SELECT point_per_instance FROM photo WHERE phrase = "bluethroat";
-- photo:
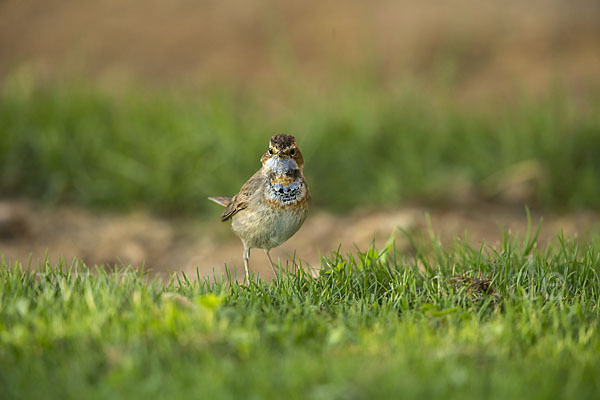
(273, 203)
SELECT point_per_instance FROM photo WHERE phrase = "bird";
(273, 204)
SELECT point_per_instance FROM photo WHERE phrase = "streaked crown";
(283, 142)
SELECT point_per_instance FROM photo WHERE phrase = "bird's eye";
(271, 151)
(292, 152)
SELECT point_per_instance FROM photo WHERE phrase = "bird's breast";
(286, 192)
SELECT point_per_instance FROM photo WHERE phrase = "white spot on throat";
(280, 166)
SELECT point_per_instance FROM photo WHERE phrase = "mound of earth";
(30, 233)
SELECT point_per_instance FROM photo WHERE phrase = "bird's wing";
(240, 200)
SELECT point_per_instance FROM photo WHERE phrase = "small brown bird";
(273, 203)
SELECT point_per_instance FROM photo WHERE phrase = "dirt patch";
(30, 231)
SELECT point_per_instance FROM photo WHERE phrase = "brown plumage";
(273, 204)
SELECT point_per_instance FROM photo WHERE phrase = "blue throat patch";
(285, 194)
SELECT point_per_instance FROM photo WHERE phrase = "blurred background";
(118, 118)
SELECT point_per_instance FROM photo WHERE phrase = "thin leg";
(272, 265)
(246, 258)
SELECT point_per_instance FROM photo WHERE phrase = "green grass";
(364, 145)
(514, 322)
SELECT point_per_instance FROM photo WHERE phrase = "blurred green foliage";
(463, 323)
(168, 150)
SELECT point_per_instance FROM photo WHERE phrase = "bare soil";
(32, 232)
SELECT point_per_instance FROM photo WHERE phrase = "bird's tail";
(221, 200)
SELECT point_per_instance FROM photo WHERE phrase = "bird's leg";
(246, 258)
(272, 265)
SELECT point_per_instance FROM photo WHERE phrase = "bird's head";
(283, 154)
